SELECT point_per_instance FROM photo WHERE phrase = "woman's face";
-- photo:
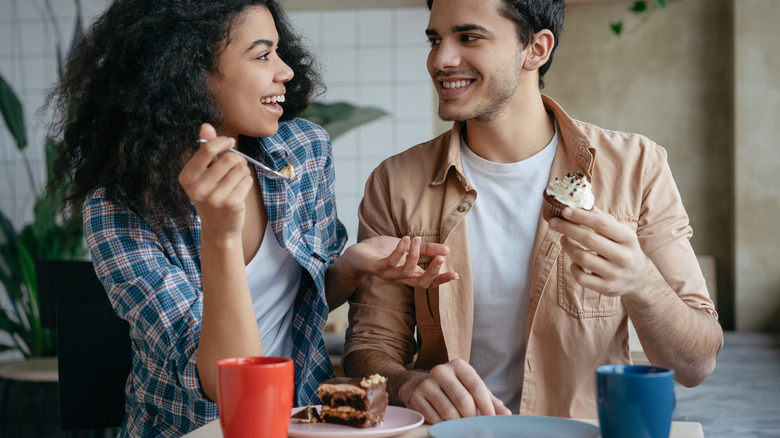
(251, 76)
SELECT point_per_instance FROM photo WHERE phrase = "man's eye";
(468, 38)
(434, 41)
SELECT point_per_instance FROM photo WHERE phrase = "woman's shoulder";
(301, 129)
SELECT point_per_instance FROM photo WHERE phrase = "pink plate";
(397, 420)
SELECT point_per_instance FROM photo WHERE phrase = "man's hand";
(606, 256)
(395, 260)
(452, 390)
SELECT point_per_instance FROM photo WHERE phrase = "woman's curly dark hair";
(135, 91)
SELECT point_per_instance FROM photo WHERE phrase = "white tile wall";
(372, 57)
(369, 57)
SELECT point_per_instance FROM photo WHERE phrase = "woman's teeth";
(273, 99)
(456, 84)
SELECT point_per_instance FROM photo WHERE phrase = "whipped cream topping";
(573, 190)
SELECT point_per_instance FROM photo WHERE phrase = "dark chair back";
(93, 343)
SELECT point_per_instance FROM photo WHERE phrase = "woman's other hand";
(396, 260)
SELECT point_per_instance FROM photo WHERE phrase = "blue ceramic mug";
(635, 401)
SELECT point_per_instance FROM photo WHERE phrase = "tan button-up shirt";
(571, 330)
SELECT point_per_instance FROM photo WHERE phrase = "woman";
(203, 255)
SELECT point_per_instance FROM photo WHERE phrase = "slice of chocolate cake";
(353, 401)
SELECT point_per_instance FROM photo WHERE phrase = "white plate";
(397, 420)
(514, 426)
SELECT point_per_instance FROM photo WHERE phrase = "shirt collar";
(573, 140)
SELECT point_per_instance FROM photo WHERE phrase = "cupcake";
(571, 191)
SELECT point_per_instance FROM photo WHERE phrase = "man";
(538, 305)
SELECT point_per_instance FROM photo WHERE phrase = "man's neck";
(518, 133)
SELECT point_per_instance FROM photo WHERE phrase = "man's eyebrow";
(460, 28)
(260, 42)
(468, 27)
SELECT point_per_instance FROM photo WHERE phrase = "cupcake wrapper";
(550, 211)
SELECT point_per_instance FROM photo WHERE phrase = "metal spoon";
(270, 173)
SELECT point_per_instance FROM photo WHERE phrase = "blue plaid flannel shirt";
(152, 276)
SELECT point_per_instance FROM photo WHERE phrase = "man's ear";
(539, 50)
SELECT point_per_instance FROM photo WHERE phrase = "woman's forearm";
(228, 327)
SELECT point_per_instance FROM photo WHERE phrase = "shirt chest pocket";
(578, 301)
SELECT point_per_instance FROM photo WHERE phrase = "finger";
(205, 156)
(427, 277)
(476, 398)
(479, 393)
(201, 185)
(602, 223)
(232, 189)
(410, 266)
(444, 278)
(420, 404)
(398, 254)
(590, 280)
(207, 132)
(499, 406)
(433, 392)
(434, 249)
(587, 259)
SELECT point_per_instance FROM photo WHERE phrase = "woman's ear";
(539, 50)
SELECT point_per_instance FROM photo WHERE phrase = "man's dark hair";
(531, 16)
(135, 91)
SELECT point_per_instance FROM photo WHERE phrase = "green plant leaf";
(638, 7)
(617, 27)
(660, 3)
(7, 228)
(13, 114)
(339, 117)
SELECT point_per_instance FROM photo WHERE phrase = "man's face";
(475, 59)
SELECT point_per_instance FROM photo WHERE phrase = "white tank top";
(501, 229)
(274, 277)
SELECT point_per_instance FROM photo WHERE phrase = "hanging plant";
(643, 10)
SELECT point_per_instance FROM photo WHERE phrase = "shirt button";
(463, 207)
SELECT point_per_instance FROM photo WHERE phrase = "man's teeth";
(274, 99)
(456, 84)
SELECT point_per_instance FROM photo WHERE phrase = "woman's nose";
(284, 73)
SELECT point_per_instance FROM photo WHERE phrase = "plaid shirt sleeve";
(154, 284)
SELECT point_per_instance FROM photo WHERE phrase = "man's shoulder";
(422, 159)
(621, 146)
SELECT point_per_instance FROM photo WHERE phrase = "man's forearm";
(362, 363)
(672, 333)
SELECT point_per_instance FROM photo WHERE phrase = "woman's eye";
(264, 56)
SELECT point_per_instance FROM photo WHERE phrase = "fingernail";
(553, 223)
(417, 241)
(439, 261)
(405, 240)
(567, 213)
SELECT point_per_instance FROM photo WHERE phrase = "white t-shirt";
(502, 227)
(274, 277)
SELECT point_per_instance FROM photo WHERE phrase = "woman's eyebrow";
(260, 42)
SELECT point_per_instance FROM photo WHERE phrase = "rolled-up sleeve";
(159, 301)
(381, 314)
(664, 233)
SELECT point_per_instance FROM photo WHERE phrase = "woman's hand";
(393, 259)
(217, 183)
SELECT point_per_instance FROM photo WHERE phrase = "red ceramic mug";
(255, 396)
